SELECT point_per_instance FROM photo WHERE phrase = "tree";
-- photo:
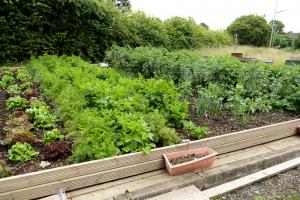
(278, 26)
(297, 42)
(202, 24)
(123, 5)
(251, 30)
(282, 40)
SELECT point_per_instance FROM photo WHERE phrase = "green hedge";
(73, 27)
(87, 28)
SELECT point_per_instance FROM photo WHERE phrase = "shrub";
(251, 30)
(52, 27)
(16, 103)
(40, 114)
(22, 152)
(51, 136)
(221, 82)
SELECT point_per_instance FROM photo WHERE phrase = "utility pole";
(273, 24)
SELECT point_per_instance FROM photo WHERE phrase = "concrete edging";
(216, 176)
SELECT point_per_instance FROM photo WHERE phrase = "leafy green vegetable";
(40, 114)
(13, 89)
(16, 103)
(23, 75)
(22, 152)
(51, 136)
(8, 79)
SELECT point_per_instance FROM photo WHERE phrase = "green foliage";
(87, 28)
(186, 34)
(297, 42)
(81, 27)
(7, 79)
(16, 103)
(40, 114)
(220, 82)
(2, 85)
(4, 170)
(278, 26)
(13, 89)
(251, 30)
(106, 114)
(51, 136)
(23, 75)
(26, 85)
(209, 101)
(22, 152)
(197, 132)
(282, 40)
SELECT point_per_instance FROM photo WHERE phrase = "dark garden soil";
(29, 166)
(186, 158)
(228, 123)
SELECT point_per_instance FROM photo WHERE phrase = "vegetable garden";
(64, 110)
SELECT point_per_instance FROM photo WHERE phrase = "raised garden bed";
(75, 176)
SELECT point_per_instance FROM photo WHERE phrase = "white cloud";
(218, 14)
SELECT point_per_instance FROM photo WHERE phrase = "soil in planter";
(186, 158)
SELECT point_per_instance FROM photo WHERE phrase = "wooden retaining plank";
(66, 172)
(80, 182)
(103, 192)
(101, 177)
(77, 170)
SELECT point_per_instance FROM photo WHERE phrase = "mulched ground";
(228, 123)
(30, 166)
(284, 186)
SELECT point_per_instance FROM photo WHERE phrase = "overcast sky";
(218, 14)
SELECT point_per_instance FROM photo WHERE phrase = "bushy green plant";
(26, 85)
(106, 114)
(197, 132)
(40, 114)
(16, 103)
(21, 152)
(13, 89)
(23, 75)
(221, 82)
(2, 85)
(8, 79)
(52, 135)
(209, 101)
(4, 169)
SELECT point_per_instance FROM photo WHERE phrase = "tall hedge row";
(87, 28)
(80, 27)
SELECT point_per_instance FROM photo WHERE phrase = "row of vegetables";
(30, 131)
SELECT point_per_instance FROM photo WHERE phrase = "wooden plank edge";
(102, 177)
(66, 172)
